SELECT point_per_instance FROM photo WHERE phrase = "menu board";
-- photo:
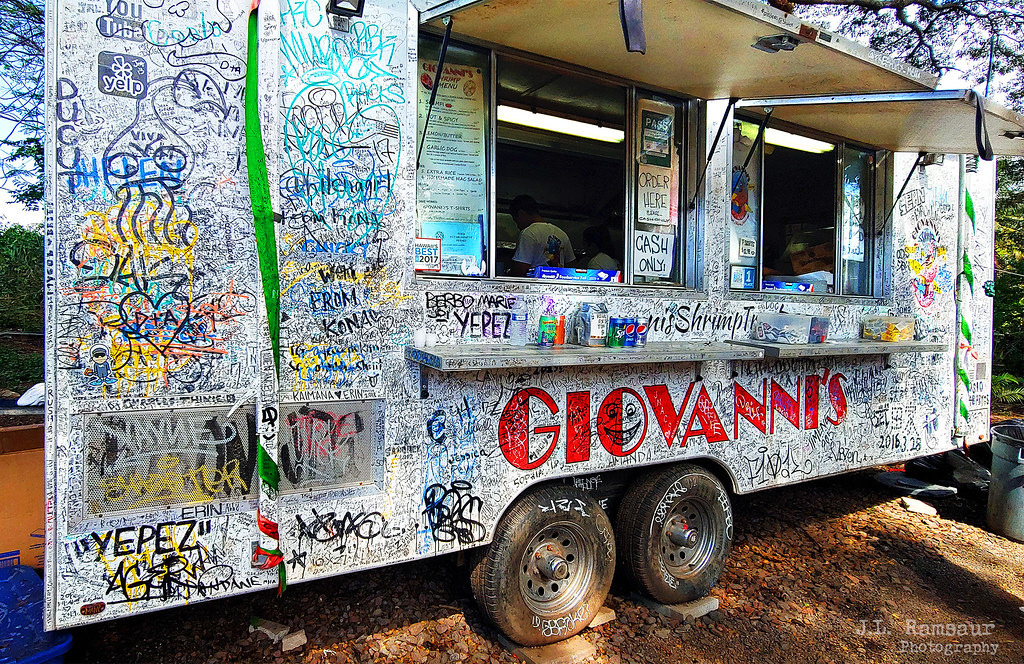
(451, 201)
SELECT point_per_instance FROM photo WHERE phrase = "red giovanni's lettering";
(623, 417)
(514, 428)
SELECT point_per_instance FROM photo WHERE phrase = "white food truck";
(298, 255)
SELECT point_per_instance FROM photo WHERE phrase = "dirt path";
(830, 571)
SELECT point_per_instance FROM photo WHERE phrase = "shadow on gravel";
(334, 612)
(814, 566)
(859, 492)
(960, 589)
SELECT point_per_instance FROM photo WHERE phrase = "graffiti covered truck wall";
(228, 407)
(169, 436)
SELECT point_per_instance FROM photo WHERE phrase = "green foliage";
(956, 36)
(21, 99)
(19, 369)
(1009, 212)
(1007, 389)
(24, 170)
(1008, 323)
(21, 280)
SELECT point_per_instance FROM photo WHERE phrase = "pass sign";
(427, 254)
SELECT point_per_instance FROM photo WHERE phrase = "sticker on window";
(748, 247)
(427, 254)
(741, 277)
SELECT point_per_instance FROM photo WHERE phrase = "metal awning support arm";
(757, 142)
(895, 201)
(447, 20)
(711, 153)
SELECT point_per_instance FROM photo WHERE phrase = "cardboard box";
(813, 259)
(19, 439)
(789, 328)
(21, 508)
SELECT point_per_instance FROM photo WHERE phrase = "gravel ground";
(829, 571)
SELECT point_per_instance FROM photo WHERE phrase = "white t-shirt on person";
(603, 261)
(542, 243)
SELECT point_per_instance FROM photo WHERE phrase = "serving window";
(549, 173)
(803, 212)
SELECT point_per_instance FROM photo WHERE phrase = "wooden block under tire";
(570, 651)
(695, 609)
(604, 615)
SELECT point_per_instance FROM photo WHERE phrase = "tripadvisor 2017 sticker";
(427, 254)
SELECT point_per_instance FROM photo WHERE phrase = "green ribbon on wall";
(259, 191)
(268, 469)
(266, 247)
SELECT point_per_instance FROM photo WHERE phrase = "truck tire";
(548, 570)
(674, 532)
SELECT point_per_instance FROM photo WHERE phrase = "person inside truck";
(597, 241)
(540, 243)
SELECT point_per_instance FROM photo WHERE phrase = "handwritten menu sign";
(653, 254)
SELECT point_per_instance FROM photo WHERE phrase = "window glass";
(800, 211)
(560, 167)
(656, 246)
(798, 221)
(451, 181)
(745, 206)
(857, 211)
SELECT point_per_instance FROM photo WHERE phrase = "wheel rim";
(688, 539)
(556, 569)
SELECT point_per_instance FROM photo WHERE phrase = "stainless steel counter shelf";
(473, 357)
(842, 347)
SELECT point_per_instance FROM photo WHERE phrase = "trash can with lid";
(1006, 493)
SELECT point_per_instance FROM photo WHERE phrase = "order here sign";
(653, 254)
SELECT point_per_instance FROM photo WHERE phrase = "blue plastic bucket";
(22, 637)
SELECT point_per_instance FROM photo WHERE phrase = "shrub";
(21, 280)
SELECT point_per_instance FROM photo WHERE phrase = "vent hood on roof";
(942, 121)
(696, 47)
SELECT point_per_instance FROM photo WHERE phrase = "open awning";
(941, 121)
(702, 48)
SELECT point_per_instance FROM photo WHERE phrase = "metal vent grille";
(328, 444)
(138, 460)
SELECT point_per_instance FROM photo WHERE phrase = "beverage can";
(629, 339)
(560, 331)
(546, 331)
(617, 333)
(641, 331)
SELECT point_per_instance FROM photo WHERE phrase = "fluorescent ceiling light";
(519, 116)
(784, 139)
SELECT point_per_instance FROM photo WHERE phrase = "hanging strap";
(631, 14)
(980, 130)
